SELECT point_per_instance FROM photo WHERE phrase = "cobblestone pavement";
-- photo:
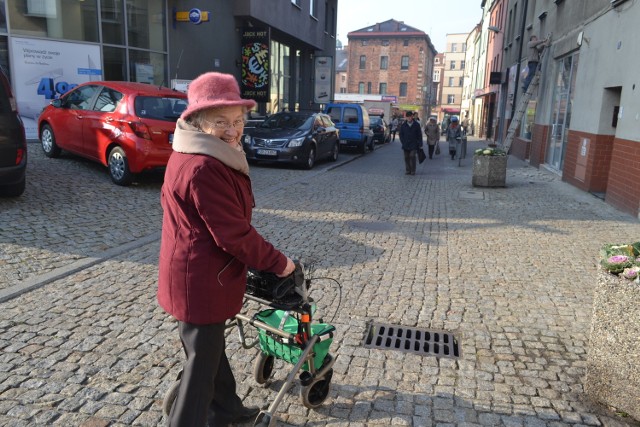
(510, 271)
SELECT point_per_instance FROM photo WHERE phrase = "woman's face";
(226, 123)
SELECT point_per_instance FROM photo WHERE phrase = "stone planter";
(613, 359)
(489, 171)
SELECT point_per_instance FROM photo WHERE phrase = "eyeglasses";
(224, 125)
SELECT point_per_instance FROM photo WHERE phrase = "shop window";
(146, 24)
(62, 19)
(147, 67)
(111, 12)
(115, 63)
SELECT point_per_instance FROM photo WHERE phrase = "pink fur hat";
(214, 90)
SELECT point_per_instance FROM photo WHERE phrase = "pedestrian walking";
(395, 123)
(453, 135)
(432, 131)
(207, 244)
(411, 139)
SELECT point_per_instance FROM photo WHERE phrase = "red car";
(123, 125)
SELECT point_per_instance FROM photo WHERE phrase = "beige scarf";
(190, 140)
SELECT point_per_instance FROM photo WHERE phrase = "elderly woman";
(207, 245)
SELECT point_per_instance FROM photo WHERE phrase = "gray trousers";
(410, 160)
(207, 384)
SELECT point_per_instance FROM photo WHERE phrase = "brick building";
(395, 60)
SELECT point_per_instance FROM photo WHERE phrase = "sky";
(437, 18)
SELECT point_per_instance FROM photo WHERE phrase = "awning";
(451, 110)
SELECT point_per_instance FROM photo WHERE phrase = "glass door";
(561, 117)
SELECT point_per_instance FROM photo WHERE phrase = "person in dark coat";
(411, 139)
(207, 245)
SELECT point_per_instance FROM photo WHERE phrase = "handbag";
(421, 155)
(437, 148)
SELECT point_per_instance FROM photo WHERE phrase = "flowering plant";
(622, 260)
(490, 151)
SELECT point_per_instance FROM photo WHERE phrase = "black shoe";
(247, 413)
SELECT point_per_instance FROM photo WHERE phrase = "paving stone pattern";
(510, 271)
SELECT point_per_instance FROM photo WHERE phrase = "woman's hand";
(288, 269)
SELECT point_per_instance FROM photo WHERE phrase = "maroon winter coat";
(207, 237)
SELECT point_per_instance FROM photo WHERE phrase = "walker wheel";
(263, 368)
(170, 397)
(316, 393)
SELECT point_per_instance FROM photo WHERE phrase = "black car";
(13, 143)
(381, 131)
(293, 137)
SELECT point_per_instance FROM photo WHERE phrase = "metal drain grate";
(413, 340)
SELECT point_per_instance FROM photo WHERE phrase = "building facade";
(453, 73)
(394, 60)
(583, 121)
(48, 46)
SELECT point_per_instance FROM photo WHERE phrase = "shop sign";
(256, 67)
(323, 72)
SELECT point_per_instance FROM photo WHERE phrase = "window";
(405, 42)
(451, 99)
(384, 62)
(403, 89)
(464, 45)
(461, 81)
(462, 64)
(363, 62)
(454, 47)
(450, 81)
(361, 88)
(452, 65)
(80, 99)
(107, 100)
(437, 61)
(313, 8)
(383, 89)
(436, 76)
(343, 78)
(112, 22)
(404, 63)
(369, 88)
(385, 42)
(146, 22)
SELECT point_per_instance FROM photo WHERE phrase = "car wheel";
(48, 141)
(119, 167)
(311, 158)
(334, 152)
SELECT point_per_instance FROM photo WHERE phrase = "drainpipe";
(515, 90)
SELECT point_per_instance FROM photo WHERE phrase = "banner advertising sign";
(323, 72)
(43, 70)
(255, 64)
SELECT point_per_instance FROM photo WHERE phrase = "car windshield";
(288, 121)
(153, 107)
(376, 120)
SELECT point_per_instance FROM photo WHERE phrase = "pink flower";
(618, 259)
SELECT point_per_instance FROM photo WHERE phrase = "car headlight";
(296, 142)
(246, 139)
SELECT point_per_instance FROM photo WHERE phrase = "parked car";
(352, 120)
(13, 143)
(293, 137)
(381, 131)
(126, 126)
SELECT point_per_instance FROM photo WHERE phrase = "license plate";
(267, 152)
(170, 138)
(343, 141)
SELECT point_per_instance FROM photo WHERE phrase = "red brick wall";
(623, 185)
(393, 75)
(538, 151)
(598, 161)
(520, 148)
